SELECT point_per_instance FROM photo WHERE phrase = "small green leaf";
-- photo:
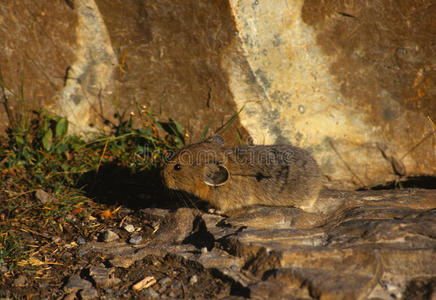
(19, 139)
(61, 128)
(47, 140)
(205, 131)
(179, 128)
(145, 131)
(61, 148)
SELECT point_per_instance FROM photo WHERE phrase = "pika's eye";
(177, 167)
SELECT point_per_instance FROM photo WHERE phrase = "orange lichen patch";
(420, 92)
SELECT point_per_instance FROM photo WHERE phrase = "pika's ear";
(215, 138)
(215, 174)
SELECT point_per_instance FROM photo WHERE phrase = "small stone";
(43, 196)
(164, 281)
(176, 285)
(90, 293)
(122, 262)
(20, 281)
(81, 241)
(102, 276)
(129, 228)
(135, 240)
(76, 283)
(109, 236)
(193, 280)
(151, 293)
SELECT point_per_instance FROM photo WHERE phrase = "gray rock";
(89, 293)
(81, 241)
(184, 218)
(150, 293)
(103, 276)
(362, 245)
(43, 196)
(108, 236)
(75, 283)
(164, 281)
(129, 228)
(135, 240)
(309, 95)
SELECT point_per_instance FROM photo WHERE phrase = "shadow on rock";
(421, 182)
(116, 185)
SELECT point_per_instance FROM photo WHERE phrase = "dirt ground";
(59, 258)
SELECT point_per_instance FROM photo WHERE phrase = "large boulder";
(38, 41)
(352, 83)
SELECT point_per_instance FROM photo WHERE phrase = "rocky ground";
(363, 245)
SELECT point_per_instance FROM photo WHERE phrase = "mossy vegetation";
(37, 154)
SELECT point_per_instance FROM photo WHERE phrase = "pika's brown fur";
(231, 178)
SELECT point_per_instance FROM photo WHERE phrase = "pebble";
(164, 281)
(43, 196)
(82, 252)
(129, 228)
(90, 293)
(176, 285)
(193, 280)
(151, 293)
(109, 236)
(80, 241)
(76, 283)
(102, 276)
(135, 240)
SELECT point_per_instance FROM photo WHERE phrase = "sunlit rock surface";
(351, 82)
(364, 245)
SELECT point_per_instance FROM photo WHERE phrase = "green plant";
(11, 249)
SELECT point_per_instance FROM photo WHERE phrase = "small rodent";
(231, 178)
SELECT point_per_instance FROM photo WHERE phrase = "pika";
(232, 178)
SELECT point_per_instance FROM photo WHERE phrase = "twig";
(102, 155)
(345, 163)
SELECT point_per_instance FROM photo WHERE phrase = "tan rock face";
(171, 55)
(354, 83)
(36, 48)
(347, 82)
(88, 95)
